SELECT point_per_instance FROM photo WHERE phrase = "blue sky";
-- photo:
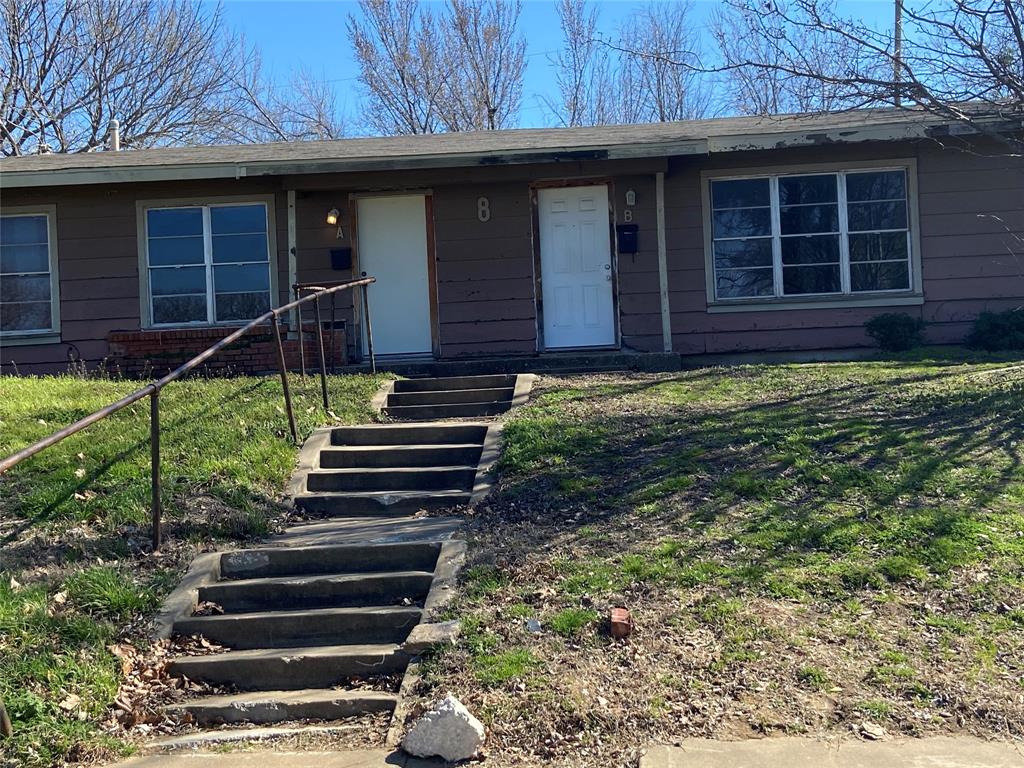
(297, 33)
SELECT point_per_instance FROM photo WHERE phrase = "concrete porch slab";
(368, 530)
(373, 758)
(792, 752)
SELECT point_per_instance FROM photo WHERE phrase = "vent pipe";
(115, 135)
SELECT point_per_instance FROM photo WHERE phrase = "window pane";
(174, 222)
(25, 288)
(18, 230)
(805, 219)
(242, 306)
(179, 309)
(810, 250)
(232, 219)
(878, 246)
(743, 222)
(164, 282)
(865, 216)
(233, 248)
(743, 253)
(795, 190)
(24, 258)
(879, 276)
(876, 185)
(817, 279)
(737, 283)
(241, 278)
(740, 193)
(34, 316)
(175, 250)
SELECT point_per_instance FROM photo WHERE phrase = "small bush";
(895, 331)
(996, 331)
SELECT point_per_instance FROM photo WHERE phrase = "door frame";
(431, 237)
(538, 288)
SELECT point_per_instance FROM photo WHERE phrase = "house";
(713, 236)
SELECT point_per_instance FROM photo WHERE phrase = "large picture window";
(810, 234)
(28, 300)
(208, 264)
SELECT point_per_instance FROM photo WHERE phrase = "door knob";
(607, 266)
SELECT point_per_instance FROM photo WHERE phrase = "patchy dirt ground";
(819, 549)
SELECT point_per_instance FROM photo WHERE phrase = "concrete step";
(456, 382)
(282, 706)
(442, 397)
(291, 668)
(456, 454)
(334, 590)
(392, 479)
(379, 503)
(294, 629)
(307, 561)
(450, 411)
(402, 434)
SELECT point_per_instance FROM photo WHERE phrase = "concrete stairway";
(314, 633)
(454, 397)
(391, 469)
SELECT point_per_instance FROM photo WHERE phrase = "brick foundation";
(156, 353)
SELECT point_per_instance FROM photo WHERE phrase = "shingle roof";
(469, 148)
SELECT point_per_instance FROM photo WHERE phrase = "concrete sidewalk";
(371, 758)
(789, 752)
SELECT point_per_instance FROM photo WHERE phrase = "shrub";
(895, 331)
(995, 331)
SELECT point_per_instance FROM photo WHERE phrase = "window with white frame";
(27, 284)
(812, 234)
(207, 264)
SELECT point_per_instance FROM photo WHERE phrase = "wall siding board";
(485, 269)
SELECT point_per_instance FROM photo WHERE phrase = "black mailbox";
(341, 259)
(626, 235)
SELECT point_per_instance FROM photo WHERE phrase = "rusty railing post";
(284, 379)
(369, 329)
(6, 731)
(334, 354)
(320, 345)
(302, 341)
(154, 447)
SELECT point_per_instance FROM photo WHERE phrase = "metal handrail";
(152, 390)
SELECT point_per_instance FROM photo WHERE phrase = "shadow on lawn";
(897, 473)
(174, 431)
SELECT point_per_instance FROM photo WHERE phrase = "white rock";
(448, 731)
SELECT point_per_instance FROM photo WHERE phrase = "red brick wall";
(156, 353)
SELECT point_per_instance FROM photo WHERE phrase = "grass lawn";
(75, 572)
(804, 548)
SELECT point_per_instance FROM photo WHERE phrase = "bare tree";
(303, 109)
(165, 69)
(962, 60)
(634, 78)
(486, 62)
(400, 57)
(462, 70)
(743, 36)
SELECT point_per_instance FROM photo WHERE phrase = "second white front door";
(393, 248)
(576, 267)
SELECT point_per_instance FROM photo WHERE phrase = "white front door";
(576, 267)
(392, 243)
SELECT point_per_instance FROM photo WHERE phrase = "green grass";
(855, 528)
(74, 532)
(494, 669)
(570, 622)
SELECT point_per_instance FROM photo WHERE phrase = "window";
(208, 264)
(813, 234)
(28, 285)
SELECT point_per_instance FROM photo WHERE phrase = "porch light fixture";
(332, 216)
(630, 197)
